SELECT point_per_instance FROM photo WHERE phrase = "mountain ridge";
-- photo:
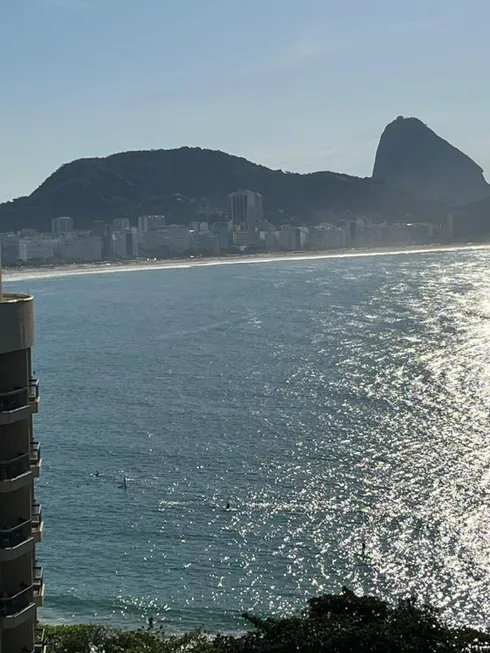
(190, 182)
(412, 156)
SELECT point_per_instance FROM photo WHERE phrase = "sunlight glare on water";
(330, 401)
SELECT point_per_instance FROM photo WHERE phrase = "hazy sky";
(293, 84)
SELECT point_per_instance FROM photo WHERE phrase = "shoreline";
(104, 267)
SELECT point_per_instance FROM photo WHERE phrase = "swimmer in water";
(363, 548)
(228, 507)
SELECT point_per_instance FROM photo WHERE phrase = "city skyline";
(93, 78)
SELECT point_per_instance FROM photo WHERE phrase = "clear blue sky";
(293, 84)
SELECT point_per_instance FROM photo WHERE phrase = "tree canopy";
(344, 623)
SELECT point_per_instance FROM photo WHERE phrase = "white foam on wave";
(104, 268)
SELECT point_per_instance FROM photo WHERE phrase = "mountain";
(411, 156)
(188, 183)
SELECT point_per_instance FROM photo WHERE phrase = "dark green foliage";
(345, 623)
(82, 639)
(187, 183)
(73, 639)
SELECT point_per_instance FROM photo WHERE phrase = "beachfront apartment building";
(21, 524)
(18, 249)
(36, 249)
(79, 247)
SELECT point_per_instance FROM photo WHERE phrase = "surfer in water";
(228, 507)
(125, 483)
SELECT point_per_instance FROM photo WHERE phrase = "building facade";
(9, 253)
(246, 211)
(151, 222)
(61, 225)
(21, 524)
(36, 249)
(80, 247)
(167, 241)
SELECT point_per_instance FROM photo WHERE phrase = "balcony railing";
(14, 399)
(19, 397)
(35, 457)
(37, 521)
(10, 469)
(12, 536)
(33, 389)
(38, 583)
(12, 604)
(39, 641)
(37, 514)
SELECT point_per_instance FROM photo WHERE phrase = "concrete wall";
(16, 323)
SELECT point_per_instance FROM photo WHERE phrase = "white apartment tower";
(21, 524)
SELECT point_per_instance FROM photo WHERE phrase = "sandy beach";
(74, 269)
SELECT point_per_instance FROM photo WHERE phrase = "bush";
(344, 623)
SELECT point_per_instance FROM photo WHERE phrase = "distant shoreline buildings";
(242, 230)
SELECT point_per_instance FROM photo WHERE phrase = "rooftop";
(9, 297)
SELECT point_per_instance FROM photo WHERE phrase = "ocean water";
(329, 401)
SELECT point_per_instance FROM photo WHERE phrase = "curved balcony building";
(21, 525)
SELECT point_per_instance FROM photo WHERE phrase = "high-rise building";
(132, 242)
(107, 243)
(120, 244)
(224, 234)
(61, 225)
(21, 524)
(245, 208)
(151, 222)
(246, 211)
